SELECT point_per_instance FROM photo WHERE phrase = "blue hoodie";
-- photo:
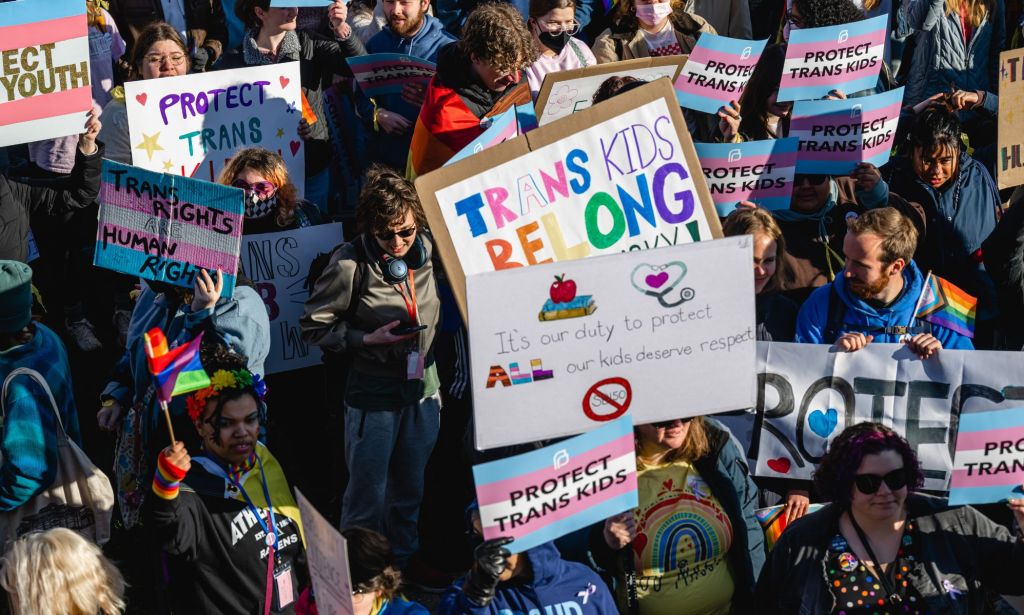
(558, 588)
(860, 316)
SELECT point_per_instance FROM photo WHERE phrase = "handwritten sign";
(717, 71)
(758, 171)
(44, 70)
(846, 57)
(387, 73)
(989, 462)
(278, 264)
(599, 336)
(1010, 136)
(616, 177)
(165, 227)
(542, 495)
(192, 125)
(328, 561)
(565, 92)
(835, 135)
(809, 395)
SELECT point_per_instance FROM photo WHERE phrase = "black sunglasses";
(869, 483)
(404, 234)
(814, 180)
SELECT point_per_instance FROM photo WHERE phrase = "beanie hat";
(15, 296)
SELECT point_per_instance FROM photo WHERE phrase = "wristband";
(167, 479)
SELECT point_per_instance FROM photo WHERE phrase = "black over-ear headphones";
(396, 270)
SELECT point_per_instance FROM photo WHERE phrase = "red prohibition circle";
(595, 391)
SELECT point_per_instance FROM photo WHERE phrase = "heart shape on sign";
(658, 279)
(295, 145)
(823, 423)
(284, 81)
(780, 465)
(141, 98)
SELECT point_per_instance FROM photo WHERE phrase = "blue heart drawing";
(823, 423)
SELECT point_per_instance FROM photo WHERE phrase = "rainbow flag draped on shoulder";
(944, 304)
(177, 370)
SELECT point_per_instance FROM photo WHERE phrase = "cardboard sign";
(387, 73)
(809, 395)
(989, 462)
(716, 72)
(619, 176)
(165, 227)
(278, 264)
(846, 57)
(599, 336)
(45, 90)
(192, 125)
(327, 551)
(836, 135)
(758, 171)
(542, 495)
(565, 92)
(1010, 137)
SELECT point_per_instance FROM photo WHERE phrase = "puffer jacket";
(942, 57)
(625, 40)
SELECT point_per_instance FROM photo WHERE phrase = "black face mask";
(554, 42)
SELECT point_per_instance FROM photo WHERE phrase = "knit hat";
(15, 296)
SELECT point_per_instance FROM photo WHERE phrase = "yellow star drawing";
(168, 165)
(280, 132)
(149, 143)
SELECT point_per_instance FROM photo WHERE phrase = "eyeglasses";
(814, 180)
(869, 483)
(572, 28)
(794, 20)
(260, 189)
(156, 60)
(403, 233)
(667, 424)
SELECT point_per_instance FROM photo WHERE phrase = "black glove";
(200, 59)
(490, 561)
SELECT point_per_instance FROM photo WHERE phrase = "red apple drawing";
(562, 290)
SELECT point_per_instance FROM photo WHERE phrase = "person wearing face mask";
(553, 25)
(649, 28)
(271, 202)
(226, 517)
(882, 547)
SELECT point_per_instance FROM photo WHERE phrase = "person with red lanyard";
(226, 517)
(376, 301)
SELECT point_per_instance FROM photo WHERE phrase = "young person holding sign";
(271, 202)
(649, 28)
(553, 26)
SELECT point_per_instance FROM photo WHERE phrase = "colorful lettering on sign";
(498, 375)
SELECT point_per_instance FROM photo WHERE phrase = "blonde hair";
(58, 572)
(694, 447)
(870, 4)
(271, 166)
(976, 10)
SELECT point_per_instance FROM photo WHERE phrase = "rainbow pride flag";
(176, 371)
(943, 303)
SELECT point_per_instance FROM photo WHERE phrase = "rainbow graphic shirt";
(683, 536)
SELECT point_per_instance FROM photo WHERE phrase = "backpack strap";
(33, 374)
(836, 314)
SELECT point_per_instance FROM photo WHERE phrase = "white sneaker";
(122, 318)
(83, 335)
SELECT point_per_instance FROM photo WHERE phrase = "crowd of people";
(378, 434)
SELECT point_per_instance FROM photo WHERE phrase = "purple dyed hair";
(834, 476)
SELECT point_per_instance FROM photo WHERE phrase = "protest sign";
(619, 176)
(809, 394)
(193, 124)
(773, 522)
(847, 57)
(164, 227)
(758, 171)
(45, 90)
(716, 72)
(387, 73)
(322, 4)
(327, 551)
(516, 121)
(539, 496)
(1010, 136)
(836, 135)
(989, 462)
(645, 327)
(565, 92)
(278, 264)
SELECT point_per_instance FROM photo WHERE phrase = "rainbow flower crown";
(219, 381)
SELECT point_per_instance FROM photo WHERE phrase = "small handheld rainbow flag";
(175, 371)
(943, 303)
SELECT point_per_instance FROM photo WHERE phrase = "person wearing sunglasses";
(271, 200)
(649, 28)
(882, 547)
(377, 302)
(692, 481)
(553, 26)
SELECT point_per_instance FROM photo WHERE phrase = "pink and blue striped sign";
(716, 72)
(846, 57)
(835, 135)
(166, 227)
(758, 171)
(539, 496)
(379, 74)
(45, 89)
(989, 462)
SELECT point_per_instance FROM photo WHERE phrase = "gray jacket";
(941, 57)
(959, 548)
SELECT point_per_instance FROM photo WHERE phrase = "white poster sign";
(328, 561)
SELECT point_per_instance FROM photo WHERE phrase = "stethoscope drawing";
(659, 283)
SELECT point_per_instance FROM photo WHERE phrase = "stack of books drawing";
(582, 305)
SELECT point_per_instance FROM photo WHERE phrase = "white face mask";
(652, 14)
